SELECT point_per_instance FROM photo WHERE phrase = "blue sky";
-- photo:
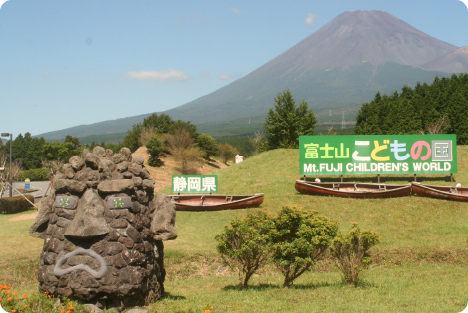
(71, 62)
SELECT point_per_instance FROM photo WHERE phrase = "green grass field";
(421, 264)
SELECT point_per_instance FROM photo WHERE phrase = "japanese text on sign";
(194, 183)
(382, 154)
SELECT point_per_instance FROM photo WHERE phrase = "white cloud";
(162, 76)
(310, 19)
(224, 76)
(235, 11)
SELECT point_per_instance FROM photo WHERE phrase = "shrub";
(208, 145)
(351, 252)
(146, 135)
(227, 152)
(244, 244)
(299, 240)
(182, 146)
(37, 174)
(154, 146)
(15, 204)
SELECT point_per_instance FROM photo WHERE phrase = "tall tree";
(286, 122)
(132, 138)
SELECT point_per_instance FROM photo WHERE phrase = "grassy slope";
(421, 265)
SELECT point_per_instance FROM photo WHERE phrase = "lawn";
(421, 264)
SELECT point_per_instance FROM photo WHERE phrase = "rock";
(68, 171)
(116, 186)
(99, 152)
(137, 181)
(92, 161)
(106, 166)
(148, 184)
(92, 308)
(164, 215)
(122, 167)
(138, 160)
(134, 168)
(66, 185)
(126, 153)
(76, 163)
(98, 246)
(117, 158)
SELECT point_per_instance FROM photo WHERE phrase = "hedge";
(15, 204)
(37, 174)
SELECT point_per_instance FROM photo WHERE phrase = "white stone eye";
(123, 202)
(65, 202)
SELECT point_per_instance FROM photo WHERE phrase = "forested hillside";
(441, 107)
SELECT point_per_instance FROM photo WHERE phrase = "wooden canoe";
(441, 192)
(353, 190)
(216, 202)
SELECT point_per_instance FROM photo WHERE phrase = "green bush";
(155, 148)
(37, 174)
(351, 252)
(15, 204)
(208, 145)
(244, 244)
(299, 240)
(227, 152)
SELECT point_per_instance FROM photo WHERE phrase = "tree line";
(439, 108)
(284, 124)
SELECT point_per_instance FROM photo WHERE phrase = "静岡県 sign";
(194, 183)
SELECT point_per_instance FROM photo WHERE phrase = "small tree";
(146, 135)
(299, 240)
(208, 145)
(154, 147)
(227, 152)
(351, 252)
(244, 244)
(257, 140)
(286, 122)
(182, 146)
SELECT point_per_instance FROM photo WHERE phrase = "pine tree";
(286, 122)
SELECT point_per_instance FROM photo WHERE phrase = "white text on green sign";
(379, 154)
(194, 183)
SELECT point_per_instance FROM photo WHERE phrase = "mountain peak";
(362, 36)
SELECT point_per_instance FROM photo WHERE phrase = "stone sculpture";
(103, 228)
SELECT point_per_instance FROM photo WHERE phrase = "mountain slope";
(454, 62)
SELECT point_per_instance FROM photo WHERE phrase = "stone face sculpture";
(103, 228)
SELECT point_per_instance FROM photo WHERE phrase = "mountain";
(355, 37)
(454, 62)
(343, 63)
(335, 69)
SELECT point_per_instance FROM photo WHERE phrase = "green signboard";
(194, 183)
(377, 154)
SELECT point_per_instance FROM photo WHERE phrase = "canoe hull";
(216, 202)
(353, 190)
(441, 192)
